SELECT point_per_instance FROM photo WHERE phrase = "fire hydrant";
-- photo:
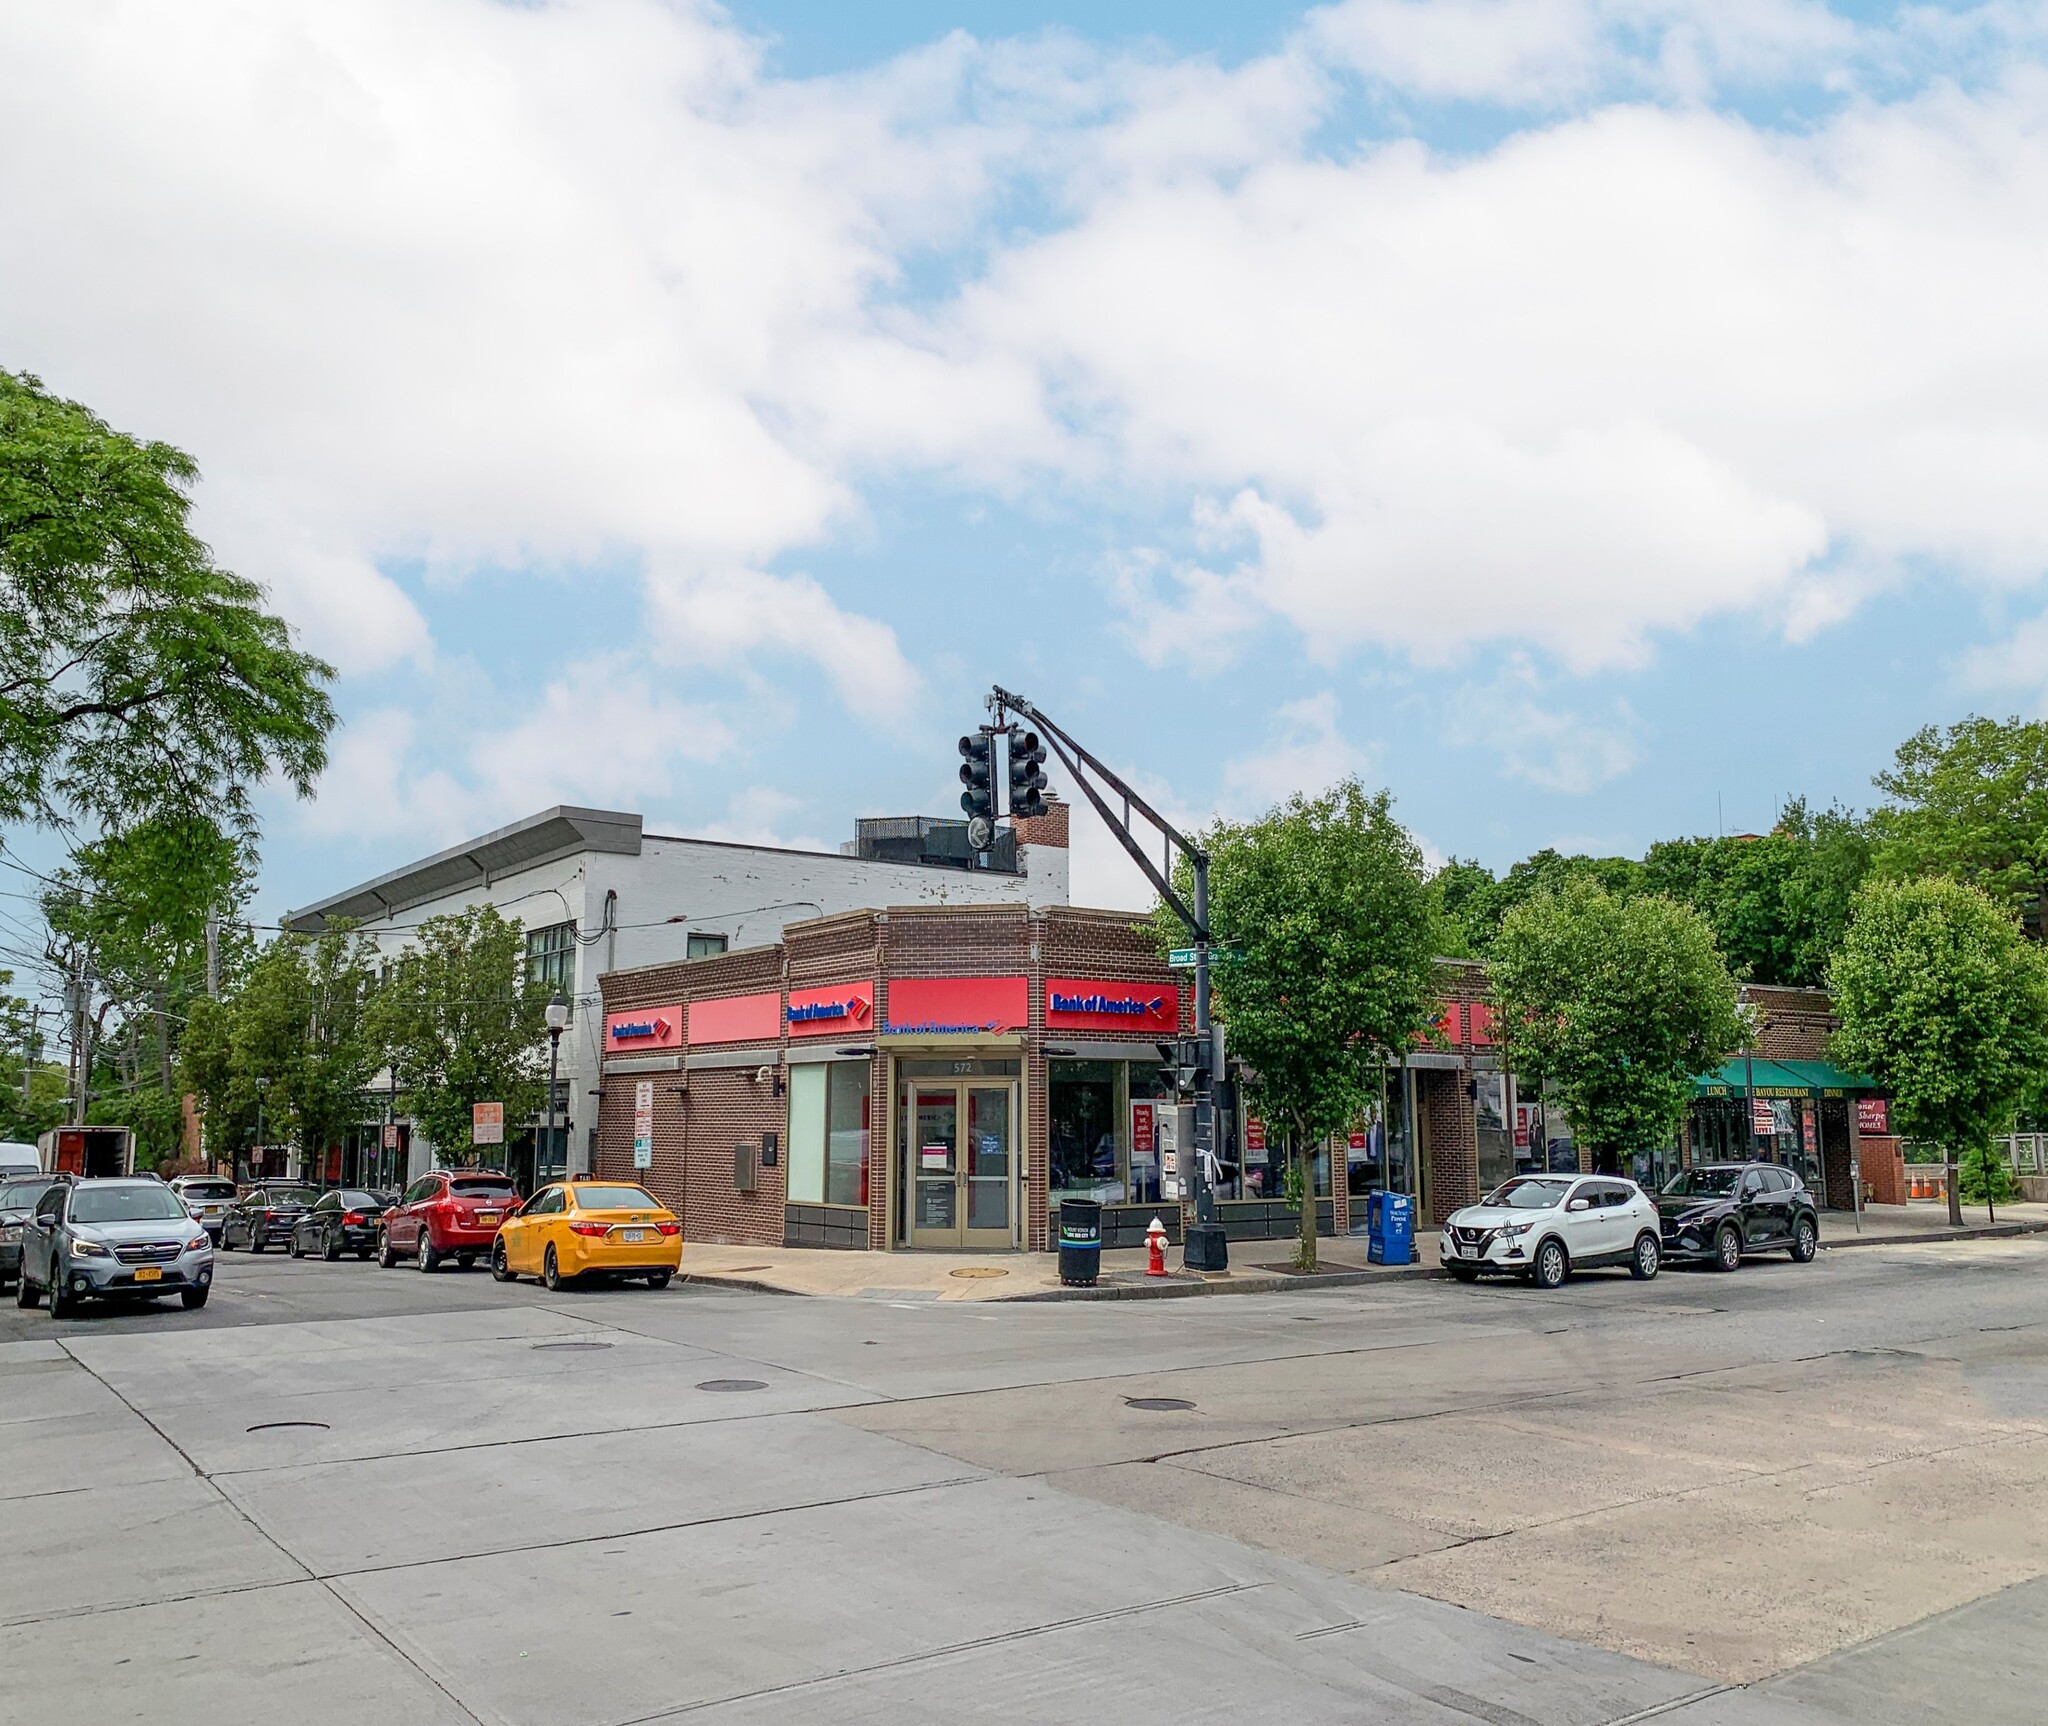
(1155, 1249)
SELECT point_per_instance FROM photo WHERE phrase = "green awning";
(1781, 1079)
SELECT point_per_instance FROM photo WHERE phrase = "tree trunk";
(1955, 1190)
(1305, 1161)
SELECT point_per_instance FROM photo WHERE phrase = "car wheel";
(430, 1260)
(297, 1251)
(331, 1249)
(1648, 1257)
(1728, 1248)
(226, 1245)
(387, 1259)
(659, 1280)
(61, 1303)
(194, 1299)
(551, 1273)
(1464, 1273)
(1551, 1267)
(26, 1294)
(499, 1268)
(464, 1261)
(256, 1240)
(1805, 1239)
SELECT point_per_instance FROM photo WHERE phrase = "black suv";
(1719, 1211)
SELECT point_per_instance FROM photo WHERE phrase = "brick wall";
(1450, 1141)
(1792, 1024)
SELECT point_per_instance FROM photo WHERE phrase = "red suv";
(451, 1213)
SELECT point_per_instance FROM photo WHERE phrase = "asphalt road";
(1788, 1495)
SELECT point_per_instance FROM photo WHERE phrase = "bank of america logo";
(854, 1007)
(1115, 1006)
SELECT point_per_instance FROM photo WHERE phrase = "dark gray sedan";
(17, 1205)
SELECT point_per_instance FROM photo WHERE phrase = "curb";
(711, 1280)
(1969, 1232)
(1172, 1288)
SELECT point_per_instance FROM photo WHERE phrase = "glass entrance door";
(959, 1149)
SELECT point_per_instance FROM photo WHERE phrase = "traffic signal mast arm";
(1073, 756)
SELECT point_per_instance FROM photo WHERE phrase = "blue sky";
(1596, 420)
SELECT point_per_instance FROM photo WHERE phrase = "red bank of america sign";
(643, 1028)
(1092, 1004)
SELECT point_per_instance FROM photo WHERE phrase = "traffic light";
(977, 774)
(1185, 1065)
(1027, 774)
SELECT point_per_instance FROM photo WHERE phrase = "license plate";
(633, 1234)
(149, 1274)
(213, 1210)
(488, 1216)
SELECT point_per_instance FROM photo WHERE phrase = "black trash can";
(1080, 1242)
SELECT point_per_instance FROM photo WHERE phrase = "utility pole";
(1205, 1246)
(213, 956)
(30, 1050)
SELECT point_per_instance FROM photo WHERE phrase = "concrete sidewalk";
(1256, 1267)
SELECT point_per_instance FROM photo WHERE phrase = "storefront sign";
(643, 1124)
(643, 1028)
(957, 1006)
(1449, 1025)
(1090, 1004)
(1254, 1133)
(1524, 1114)
(934, 1159)
(1873, 1115)
(1763, 1118)
(1480, 1016)
(849, 1007)
(487, 1123)
(1358, 1141)
(736, 1019)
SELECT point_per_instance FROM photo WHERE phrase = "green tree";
(1474, 904)
(208, 1070)
(1970, 803)
(302, 1021)
(137, 677)
(27, 1111)
(1617, 1004)
(463, 1025)
(1945, 1004)
(1324, 899)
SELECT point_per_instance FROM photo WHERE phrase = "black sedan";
(1719, 1211)
(343, 1221)
(263, 1216)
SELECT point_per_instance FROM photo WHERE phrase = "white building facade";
(594, 893)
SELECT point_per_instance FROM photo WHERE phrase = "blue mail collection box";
(1389, 1229)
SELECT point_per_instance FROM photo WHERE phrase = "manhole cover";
(979, 1271)
(1158, 1404)
(572, 1345)
(732, 1384)
(281, 1425)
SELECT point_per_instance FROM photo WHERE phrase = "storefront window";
(1088, 1156)
(1496, 1138)
(828, 1132)
(846, 1133)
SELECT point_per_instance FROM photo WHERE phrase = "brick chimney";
(1047, 829)
(1042, 853)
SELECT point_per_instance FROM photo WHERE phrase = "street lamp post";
(558, 1017)
(262, 1085)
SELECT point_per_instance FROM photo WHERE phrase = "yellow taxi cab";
(589, 1228)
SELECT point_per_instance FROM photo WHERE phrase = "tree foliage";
(1617, 1003)
(138, 679)
(301, 1021)
(1324, 899)
(1945, 1004)
(1970, 803)
(463, 1025)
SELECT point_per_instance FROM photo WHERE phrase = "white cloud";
(1305, 751)
(2020, 661)
(472, 285)
(1550, 747)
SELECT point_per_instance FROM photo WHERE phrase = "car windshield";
(614, 1199)
(125, 1204)
(1526, 1195)
(1701, 1183)
(208, 1189)
(360, 1201)
(23, 1195)
(476, 1187)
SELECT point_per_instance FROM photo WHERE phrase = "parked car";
(18, 1198)
(1720, 1211)
(344, 1220)
(589, 1229)
(1544, 1227)
(449, 1213)
(207, 1199)
(123, 1237)
(263, 1215)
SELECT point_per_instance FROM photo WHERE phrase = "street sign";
(487, 1123)
(391, 1136)
(643, 1124)
(1183, 958)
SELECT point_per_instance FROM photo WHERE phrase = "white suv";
(1544, 1227)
